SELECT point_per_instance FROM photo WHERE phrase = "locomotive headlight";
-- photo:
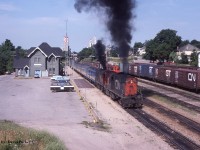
(131, 81)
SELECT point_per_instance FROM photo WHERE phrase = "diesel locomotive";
(120, 87)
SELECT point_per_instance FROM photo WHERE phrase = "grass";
(15, 137)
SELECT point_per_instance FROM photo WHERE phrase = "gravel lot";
(30, 102)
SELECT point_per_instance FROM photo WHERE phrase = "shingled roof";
(19, 63)
(188, 47)
(47, 50)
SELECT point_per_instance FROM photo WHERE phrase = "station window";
(35, 60)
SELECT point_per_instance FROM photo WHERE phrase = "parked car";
(56, 78)
(61, 85)
(36, 76)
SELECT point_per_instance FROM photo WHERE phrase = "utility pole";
(66, 48)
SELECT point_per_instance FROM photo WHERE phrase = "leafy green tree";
(194, 59)
(136, 46)
(85, 53)
(173, 57)
(183, 43)
(150, 53)
(195, 43)
(20, 52)
(114, 52)
(165, 42)
(184, 58)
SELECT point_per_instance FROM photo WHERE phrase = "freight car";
(119, 86)
(186, 78)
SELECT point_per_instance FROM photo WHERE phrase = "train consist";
(119, 86)
(187, 78)
(184, 77)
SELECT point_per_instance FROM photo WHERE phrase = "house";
(187, 50)
(141, 51)
(42, 61)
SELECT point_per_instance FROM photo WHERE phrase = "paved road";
(31, 103)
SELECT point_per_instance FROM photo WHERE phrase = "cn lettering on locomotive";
(117, 85)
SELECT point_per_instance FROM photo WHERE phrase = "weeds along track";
(186, 93)
(188, 123)
(174, 138)
(171, 91)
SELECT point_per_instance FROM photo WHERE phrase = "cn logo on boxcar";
(191, 77)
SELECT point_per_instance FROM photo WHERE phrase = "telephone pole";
(66, 48)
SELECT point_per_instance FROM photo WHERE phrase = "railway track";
(172, 99)
(174, 138)
(188, 123)
(188, 94)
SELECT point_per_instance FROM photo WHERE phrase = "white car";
(57, 78)
(61, 85)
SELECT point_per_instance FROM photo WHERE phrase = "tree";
(183, 43)
(194, 59)
(150, 54)
(114, 52)
(136, 46)
(20, 52)
(85, 53)
(7, 50)
(173, 57)
(184, 59)
(165, 42)
(195, 43)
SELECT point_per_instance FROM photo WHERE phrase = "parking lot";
(30, 102)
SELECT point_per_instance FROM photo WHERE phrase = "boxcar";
(187, 78)
(146, 70)
(164, 74)
(134, 69)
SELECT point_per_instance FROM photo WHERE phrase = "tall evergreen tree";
(6, 56)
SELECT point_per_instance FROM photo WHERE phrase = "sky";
(28, 23)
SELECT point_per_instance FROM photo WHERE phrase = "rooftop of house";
(188, 47)
(19, 63)
(46, 49)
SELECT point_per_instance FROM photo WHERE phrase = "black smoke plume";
(119, 19)
(100, 52)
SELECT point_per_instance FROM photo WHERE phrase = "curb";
(88, 106)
